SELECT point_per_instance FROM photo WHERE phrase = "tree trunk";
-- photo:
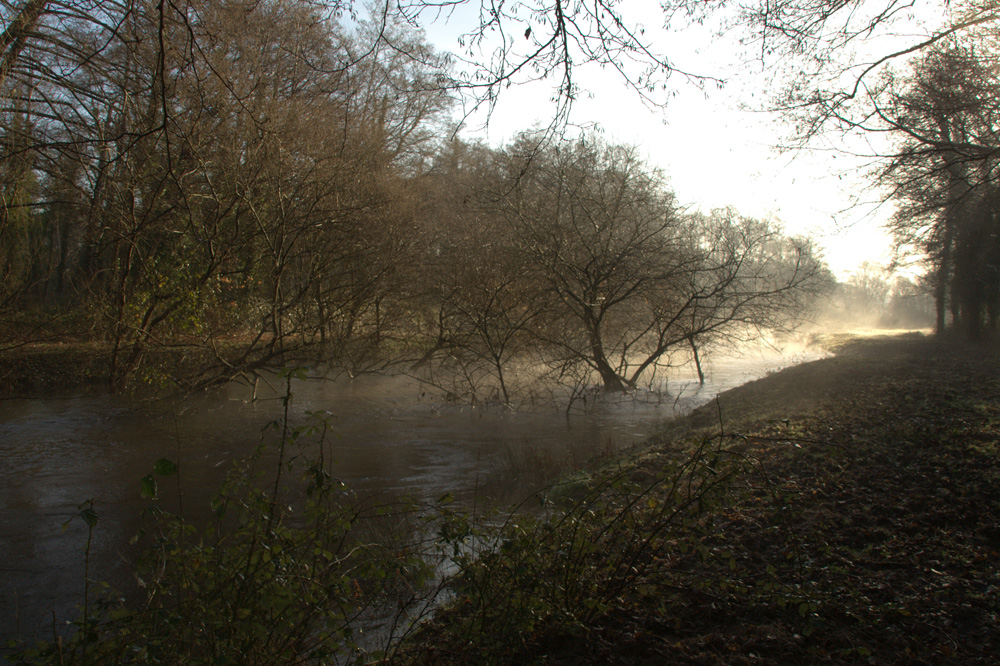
(13, 39)
(697, 361)
(612, 382)
(942, 279)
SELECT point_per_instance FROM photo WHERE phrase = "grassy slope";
(848, 513)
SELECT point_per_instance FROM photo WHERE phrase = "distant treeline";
(873, 295)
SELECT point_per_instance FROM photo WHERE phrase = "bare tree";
(827, 57)
(477, 300)
(867, 291)
(550, 40)
(212, 170)
(943, 174)
(634, 277)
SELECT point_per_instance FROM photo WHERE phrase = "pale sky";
(714, 153)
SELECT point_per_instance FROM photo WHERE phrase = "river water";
(391, 437)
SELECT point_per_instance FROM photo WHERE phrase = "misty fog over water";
(390, 437)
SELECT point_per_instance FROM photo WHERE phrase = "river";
(391, 437)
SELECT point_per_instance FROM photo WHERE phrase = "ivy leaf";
(89, 516)
(148, 490)
(165, 467)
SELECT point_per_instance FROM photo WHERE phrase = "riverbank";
(84, 368)
(845, 511)
(43, 369)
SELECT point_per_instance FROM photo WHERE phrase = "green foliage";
(280, 573)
